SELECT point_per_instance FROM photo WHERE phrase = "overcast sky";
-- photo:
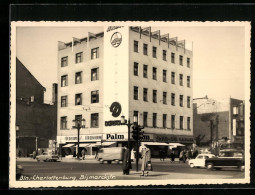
(218, 55)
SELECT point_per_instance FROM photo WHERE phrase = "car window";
(237, 154)
(45, 153)
(199, 157)
(206, 157)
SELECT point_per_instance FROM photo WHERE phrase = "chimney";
(54, 93)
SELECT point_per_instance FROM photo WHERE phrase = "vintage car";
(110, 154)
(46, 156)
(226, 158)
(199, 161)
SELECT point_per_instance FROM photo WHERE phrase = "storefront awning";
(68, 145)
(155, 144)
(175, 144)
(108, 143)
(84, 145)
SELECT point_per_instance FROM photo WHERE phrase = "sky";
(218, 55)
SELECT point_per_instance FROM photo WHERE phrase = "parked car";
(19, 171)
(46, 156)
(226, 158)
(199, 161)
(110, 154)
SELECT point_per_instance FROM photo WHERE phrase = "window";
(172, 121)
(145, 94)
(154, 52)
(64, 61)
(78, 77)
(78, 57)
(94, 53)
(164, 55)
(136, 114)
(94, 97)
(188, 62)
(135, 68)
(145, 71)
(188, 101)
(94, 74)
(181, 100)
(136, 46)
(181, 79)
(135, 93)
(94, 120)
(164, 75)
(78, 99)
(63, 122)
(181, 122)
(164, 120)
(145, 117)
(173, 77)
(154, 120)
(164, 97)
(145, 49)
(63, 101)
(154, 73)
(181, 60)
(64, 81)
(78, 119)
(188, 123)
(154, 96)
(173, 58)
(188, 81)
(172, 99)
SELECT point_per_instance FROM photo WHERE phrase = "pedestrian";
(83, 154)
(146, 161)
(184, 158)
(96, 152)
(160, 154)
(180, 156)
(34, 154)
(126, 165)
(19, 153)
(132, 155)
(172, 156)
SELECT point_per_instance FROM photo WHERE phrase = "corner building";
(149, 75)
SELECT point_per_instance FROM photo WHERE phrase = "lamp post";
(124, 122)
(78, 123)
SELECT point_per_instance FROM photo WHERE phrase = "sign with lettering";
(115, 109)
(116, 39)
(110, 28)
(115, 137)
(173, 138)
(83, 138)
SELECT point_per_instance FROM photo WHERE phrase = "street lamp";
(78, 123)
(135, 122)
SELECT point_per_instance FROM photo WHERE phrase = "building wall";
(35, 120)
(86, 109)
(159, 85)
(27, 85)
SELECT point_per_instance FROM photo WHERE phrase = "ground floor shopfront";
(68, 145)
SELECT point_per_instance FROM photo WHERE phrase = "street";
(93, 170)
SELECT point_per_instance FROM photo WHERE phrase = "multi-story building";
(216, 120)
(125, 71)
(36, 122)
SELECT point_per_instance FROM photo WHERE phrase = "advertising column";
(116, 78)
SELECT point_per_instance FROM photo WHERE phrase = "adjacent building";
(124, 71)
(216, 120)
(36, 122)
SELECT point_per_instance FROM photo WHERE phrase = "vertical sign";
(116, 78)
(234, 127)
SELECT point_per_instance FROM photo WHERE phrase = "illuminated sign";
(116, 39)
(115, 109)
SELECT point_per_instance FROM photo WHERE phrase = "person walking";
(126, 165)
(172, 156)
(184, 157)
(161, 155)
(146, 161)
(181, 156)
(83, 154)
(34, 154)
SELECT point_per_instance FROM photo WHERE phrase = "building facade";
(36, 122)
(125, 71)
(217, 120)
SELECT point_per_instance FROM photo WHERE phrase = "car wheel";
(241, 168)
(209, 166)
(191, 165)
(109, 162)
